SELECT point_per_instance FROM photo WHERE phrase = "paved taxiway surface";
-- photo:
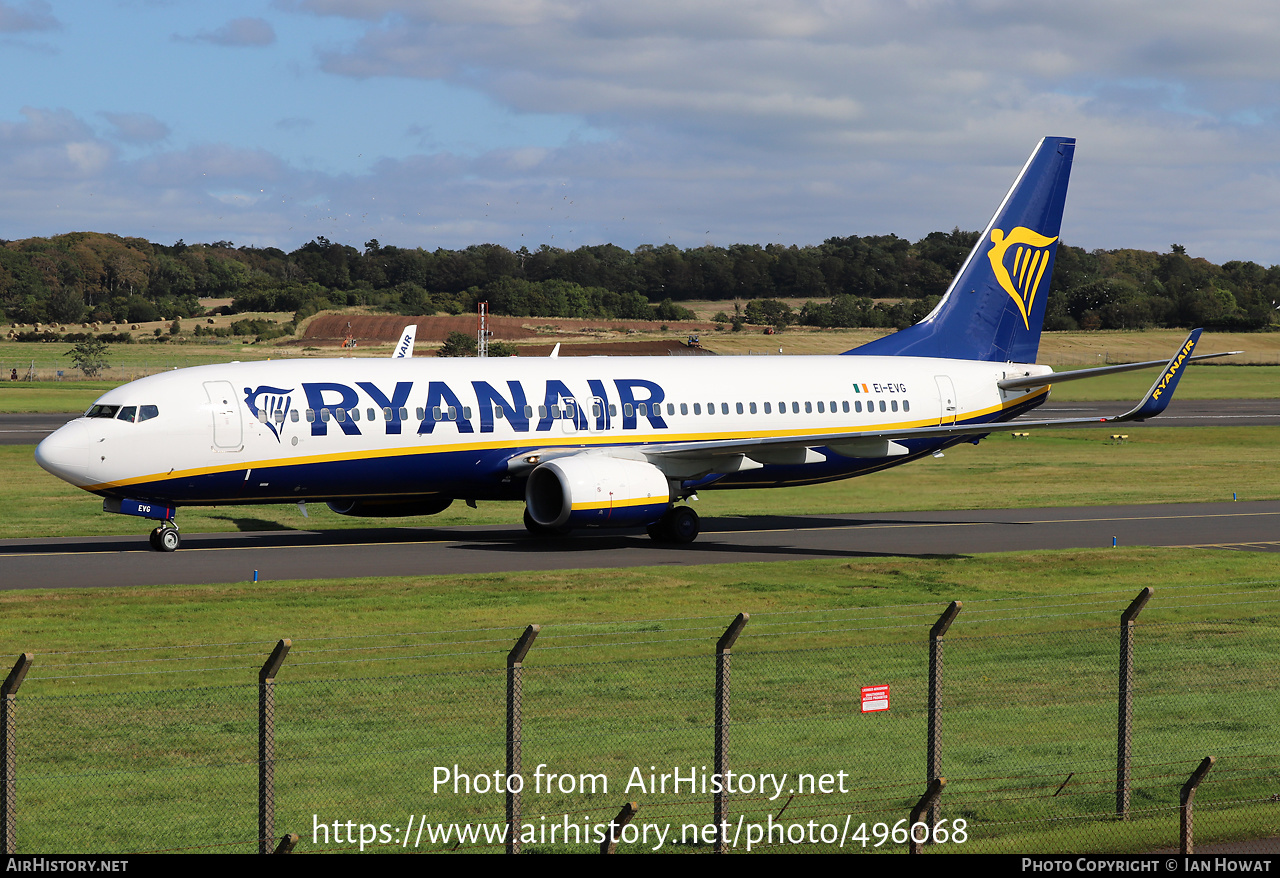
(204, 558)
(29, 429)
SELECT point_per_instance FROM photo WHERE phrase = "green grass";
(1052, 468)
(163, 759)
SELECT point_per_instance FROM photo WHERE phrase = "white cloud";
(34, 15)
(137, 127)
(239, 32)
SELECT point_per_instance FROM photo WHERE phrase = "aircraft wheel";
(168, 539)
(154, 539)
(682, 525)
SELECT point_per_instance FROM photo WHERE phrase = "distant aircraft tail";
(404, 347)
(994, 308)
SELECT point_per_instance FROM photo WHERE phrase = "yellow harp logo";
(1019, 262)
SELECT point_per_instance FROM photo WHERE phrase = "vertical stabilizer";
(994, 308)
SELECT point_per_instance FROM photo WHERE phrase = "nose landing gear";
(166, 538)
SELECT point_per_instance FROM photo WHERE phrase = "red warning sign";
(875, 698)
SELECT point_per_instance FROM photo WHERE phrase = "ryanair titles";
(1171, 372)
(330, 404)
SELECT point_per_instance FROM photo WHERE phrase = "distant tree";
(458, 344)
(89, 356)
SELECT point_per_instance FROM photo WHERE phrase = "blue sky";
(565, 122)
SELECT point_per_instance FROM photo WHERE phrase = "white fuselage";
(288, 430)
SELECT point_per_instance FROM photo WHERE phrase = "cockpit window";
(147, 412)
(102, 411)
(128, 413)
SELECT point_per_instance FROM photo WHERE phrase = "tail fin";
(994, 308)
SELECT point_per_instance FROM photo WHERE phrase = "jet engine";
(594, 491)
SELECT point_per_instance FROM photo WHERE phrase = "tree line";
(883, 281)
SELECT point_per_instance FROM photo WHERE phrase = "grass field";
(138, 727)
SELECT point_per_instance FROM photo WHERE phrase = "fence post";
(928, 802)
(8, 756)
(267, 746)
(515, 702)
(723, 647)
(625, 816)
(1188, 800)
(1124, 731)
(933, 755)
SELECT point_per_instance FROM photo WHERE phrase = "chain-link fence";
(796, 731)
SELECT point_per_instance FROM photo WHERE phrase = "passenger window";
(293, 416)
(808, 407)
(420, 413)
(753, 408)
(833, 407)
(724, 408)
(671, 408)
(435, 413)
(404, 414)
(857, 405)
(355, 414)
(498, 413)
(542, 412)
(466, 412)
(795, 408)
(555, 411)
(882, 405)
(128, 413)
(642, 411)
(684, 408)
(613, 410)
(278, 417)
(311, 416)
(846, 406)
(768, 408)
(820, 410)
(453, 413)
(627, 410)
(711, 408)
(697, 408)
(528, 411)
(893, 404)
(148, 412)
(340, 414)
(324, 415)
(568, 412)
(386, 413)
(596, 410)
(906, 406)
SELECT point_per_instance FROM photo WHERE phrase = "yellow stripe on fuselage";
(576, 440)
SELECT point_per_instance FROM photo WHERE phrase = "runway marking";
(992, 522)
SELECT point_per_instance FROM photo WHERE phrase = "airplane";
(597, 442)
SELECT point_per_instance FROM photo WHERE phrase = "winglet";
(1161, 391)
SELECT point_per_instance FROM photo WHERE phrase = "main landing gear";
(679, 525)
(166, 538)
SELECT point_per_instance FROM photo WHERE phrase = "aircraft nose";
(65, 453)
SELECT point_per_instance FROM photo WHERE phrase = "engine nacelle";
(594, 491)
(391, 507)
